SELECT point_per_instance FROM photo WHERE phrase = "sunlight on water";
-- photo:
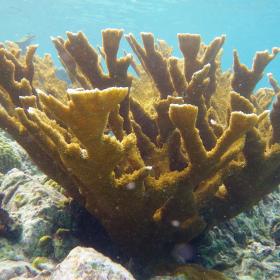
(249, 25)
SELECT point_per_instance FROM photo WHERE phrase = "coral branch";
(153, 62)
(244, 80)
(161, 160)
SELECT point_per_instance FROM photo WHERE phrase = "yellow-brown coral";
(167, 173)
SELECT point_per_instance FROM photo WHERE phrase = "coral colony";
(158, 158)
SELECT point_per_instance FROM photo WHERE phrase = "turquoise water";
(250, 25)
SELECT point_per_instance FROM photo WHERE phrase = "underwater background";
(250, 25)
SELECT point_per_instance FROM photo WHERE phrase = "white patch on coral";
(131, 186)
(84, 154)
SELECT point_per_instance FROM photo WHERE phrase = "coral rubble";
(155, 175)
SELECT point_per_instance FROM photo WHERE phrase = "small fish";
(62, 75)
(25, 41)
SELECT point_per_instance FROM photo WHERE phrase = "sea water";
(250, 25)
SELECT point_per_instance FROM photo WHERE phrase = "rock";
(246, 246)
(9, 157)
(193, 272)
(10, 269)
(42, 211)
(43, 264)
(9, 226)
(275, 231)
(81, 264)
(14, 156)
(41, 276)
(10, 250)
(88, 264)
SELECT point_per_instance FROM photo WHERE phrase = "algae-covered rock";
(193, 272)
(14, 156)
(275, 230)
(80, 264)
(9, 157)
(9, 227)
(41, 213)
(44, 264)
(246, 247)
(10, 269)
(10, 250)
(86, 263)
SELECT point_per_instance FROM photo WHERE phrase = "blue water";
(250, 25)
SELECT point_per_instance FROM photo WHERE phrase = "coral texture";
(9, 158)
(154, 173)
